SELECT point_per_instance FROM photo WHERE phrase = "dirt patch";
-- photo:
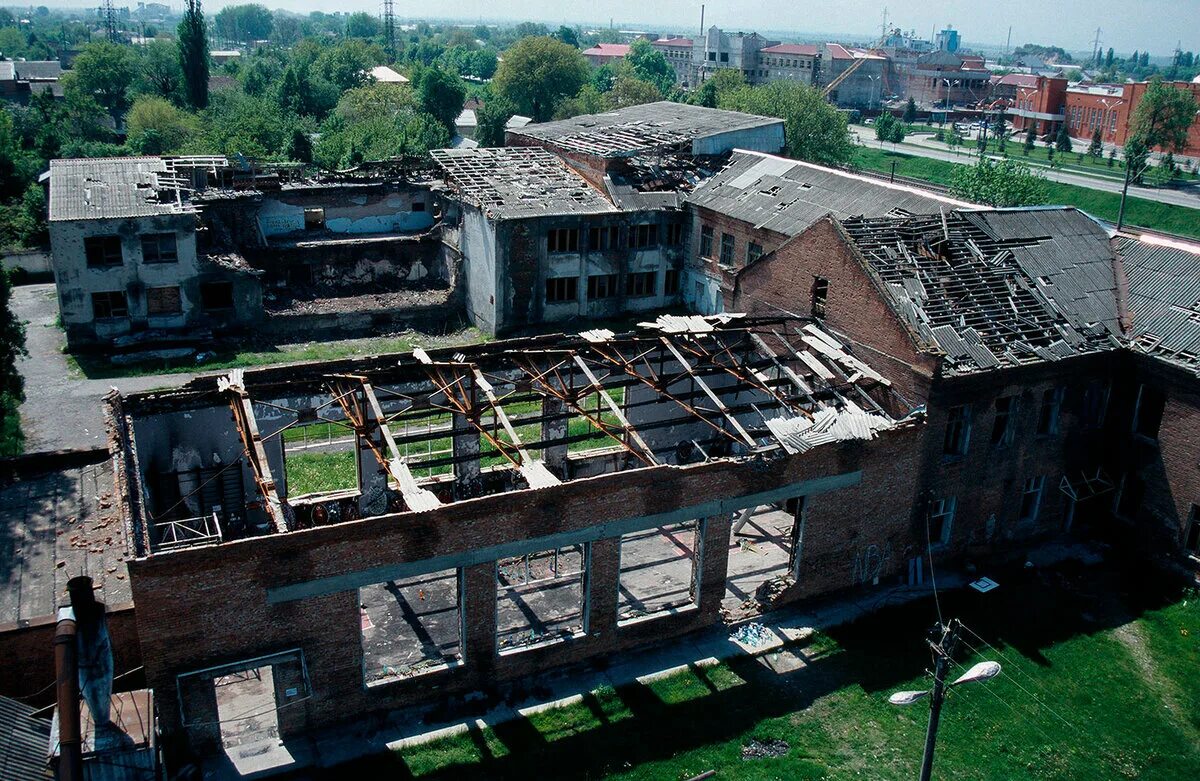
(757, 749)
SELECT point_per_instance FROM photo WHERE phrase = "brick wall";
(224, 615)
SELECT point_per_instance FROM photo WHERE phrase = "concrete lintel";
(352, 580)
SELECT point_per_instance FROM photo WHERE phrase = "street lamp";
(871, 91)
(942, 641)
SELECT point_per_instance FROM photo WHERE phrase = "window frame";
(178, 301)
(601, 287)
(641, 284)
(820, 296)
(562, 241)
(671, 282)
(152, 248)
(603, 238)
(107, 296)
(944, 509)
(1008, 434)
(1034, 486)
(958, 420)
(103, 246)
(706, 241)
(1139, 408)
(754, 251)
(568, 284)
(642, 236)
(728, 249)
(1050, 411)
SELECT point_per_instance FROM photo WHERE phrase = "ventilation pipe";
(70, 741)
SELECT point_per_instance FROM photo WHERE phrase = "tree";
(814, 129)
(537, 73)
(1001, 184)
(159, 71)
(1096, 148)
(1108, 58)
(347, 64)
(650, 65)
(12, 346)
(154, 126)
(899, 131)
(193, 55)
(1062, 141)
(440, 94)
(244, 22)
(588, 100)
(362, 25)
(628, 91)
(490, 121)
(104, 71)
(567, 35)
(910, 111)
(1030, 140)
(300, 147)
(1144, 59)
(883, 126)
(1163, 116)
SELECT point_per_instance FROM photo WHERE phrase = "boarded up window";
(163, 301)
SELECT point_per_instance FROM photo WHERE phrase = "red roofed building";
(866, 87)
(791, 62)
(604, 53)
(678, 52)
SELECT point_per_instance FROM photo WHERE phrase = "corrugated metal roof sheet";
(106, 188)
(24, 743)
(1164, 299)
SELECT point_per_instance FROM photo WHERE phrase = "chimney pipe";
(70, 741)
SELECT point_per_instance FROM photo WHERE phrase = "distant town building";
(678, 52)
(947, 40)
(604, 53)
(867, 87)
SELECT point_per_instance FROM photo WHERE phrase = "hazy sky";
(1126, 25)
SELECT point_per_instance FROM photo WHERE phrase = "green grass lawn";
(98, 367)
(1099, 683)
(1138, 211)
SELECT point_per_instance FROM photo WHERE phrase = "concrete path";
(62, 410)
(1189, 198)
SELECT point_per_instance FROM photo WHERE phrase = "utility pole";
(942, 641)
(1096, 46)
(1008, 43)
(389, 30)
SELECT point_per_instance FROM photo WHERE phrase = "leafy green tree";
(1137, 157)
(238, 123)
(1062, 140)
(1163, 116)
(154, 126)
(159, 72)
(537, 73)
(375, 100)
(899, 132)
(1108, 58)
(245, 23)
(883, 127)
(1095, 149)
(814, 130)
(650, 65)
(491, 119)
(300, 147)
(286, 29)
(1112, 157)
(567, 35)
(409, 132)
(628, 91)
(346, 64)
(440, 94)
(910, 111)
(588, 100)
(106, 72)
(12, 393)
(1030, 140)
(193, 55)
(362, 25)
(1001, 184)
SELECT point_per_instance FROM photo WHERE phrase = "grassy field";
(1098, 683)
(98, 367)
(1138, 211)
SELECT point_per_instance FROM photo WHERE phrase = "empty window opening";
(764, 548)
(1031, 499)
(111, 304)
(562, 290)
(418, 206)
(1095, 404)
(1049, 412)
(424, 438)
(754, 251)
(675, 234)
(643, 236)
(320, 458)
(602, 238)
(820, 296)
(159, 248)
(540, 597)
(411, 626)
(941, 520)
(658, 571)
(1191, 541)
(727, 246)
(1129, 496)
(247, 710)
(642, 284)
(671, 282)
(1004, 424)
(601, 286)
(216, 296)
(102, 251)
(706, 241)
(314, 219)
(1148, 411)
(562, 240)
(163, 301)
(958, 431)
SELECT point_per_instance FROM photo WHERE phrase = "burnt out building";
(513, 507)
(154, 250)
(1057, 364)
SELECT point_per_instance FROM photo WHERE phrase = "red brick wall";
(743, 233)
(854, 306)
(27, 649)
(223, 615)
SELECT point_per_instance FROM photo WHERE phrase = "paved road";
(1189, 198)
(62, 410)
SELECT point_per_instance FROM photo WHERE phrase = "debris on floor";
(752, 635)
(757, 749)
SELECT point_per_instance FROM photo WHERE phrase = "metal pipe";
(70, 739)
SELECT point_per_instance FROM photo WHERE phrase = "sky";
(1125, 25)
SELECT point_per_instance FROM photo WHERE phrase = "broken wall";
(348, 209)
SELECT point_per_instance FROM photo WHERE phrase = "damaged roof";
(788, 196)
(642, 128)
(1164, 298)
(514, 182)
(997, 287)
(106, 188)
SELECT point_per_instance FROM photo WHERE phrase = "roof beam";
(256, 454)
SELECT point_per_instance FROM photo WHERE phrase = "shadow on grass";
(1033, 610)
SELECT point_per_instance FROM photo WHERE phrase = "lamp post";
(871, 93)
(942, 640)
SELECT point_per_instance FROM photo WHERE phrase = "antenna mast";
(389, 30)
